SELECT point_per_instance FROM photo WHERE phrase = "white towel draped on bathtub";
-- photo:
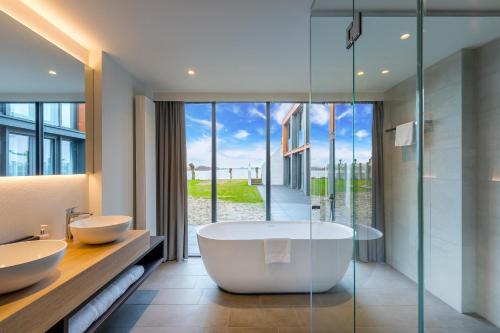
(277, 250)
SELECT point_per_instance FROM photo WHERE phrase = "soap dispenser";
(44, 234)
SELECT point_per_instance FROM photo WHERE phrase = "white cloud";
(319, 114)
(320, 153)
(241, 158)
(344, 114)
(204, 122)
(361, 134)
(256, 113)
(280, 112)
(199, 151)
(241, 135)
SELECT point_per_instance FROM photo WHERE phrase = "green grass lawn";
(235, 190)
(319, 188)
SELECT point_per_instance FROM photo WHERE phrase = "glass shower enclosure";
(404, 117)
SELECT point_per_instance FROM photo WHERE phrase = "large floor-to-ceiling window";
(241, 154)
(199, 168)
(309, 161)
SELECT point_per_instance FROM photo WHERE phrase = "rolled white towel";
(108, 296)
(82, 320)
(277, 250)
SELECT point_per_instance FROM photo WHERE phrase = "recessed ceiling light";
(52, 72)
(191, 72)
(405, 36)
(361, 73)
(385, 71)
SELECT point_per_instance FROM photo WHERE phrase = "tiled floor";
(181, 298)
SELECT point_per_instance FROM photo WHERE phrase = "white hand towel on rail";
(277, 250)
(405, 134)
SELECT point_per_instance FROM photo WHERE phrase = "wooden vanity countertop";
(83, 270)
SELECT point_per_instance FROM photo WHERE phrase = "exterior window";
(48, 156)
(19, 155)
(67, 157)
(21, 110)
(51, 114)
(68, 115)
(62, 138)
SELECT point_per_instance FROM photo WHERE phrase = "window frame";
(38, 131)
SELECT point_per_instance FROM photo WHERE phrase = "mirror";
(42, 105)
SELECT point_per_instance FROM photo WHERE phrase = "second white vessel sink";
(25, 263)
(100, 229)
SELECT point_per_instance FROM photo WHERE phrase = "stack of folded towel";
(82, 320)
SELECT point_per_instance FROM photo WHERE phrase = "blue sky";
(241, 136)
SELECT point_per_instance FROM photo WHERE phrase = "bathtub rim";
(345, 227)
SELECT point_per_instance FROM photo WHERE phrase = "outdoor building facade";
(61, 140)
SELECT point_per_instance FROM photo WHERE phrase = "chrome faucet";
(70, 215)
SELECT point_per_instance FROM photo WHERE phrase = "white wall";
(145, 161)
(488, 180)
(276, 167)
(113, 183)
(28, 202)
(449, 270)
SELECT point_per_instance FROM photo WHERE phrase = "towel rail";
(392, 129)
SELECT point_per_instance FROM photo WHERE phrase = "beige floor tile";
(189, 267)
(324, 317)
(219, 297)
(285, 300)
(184, 315)
(265, 318)
(157, 280)
(178, 296)
(244, 330)
(293, 330)
(391, 329)
(387, 316)
(187, 329)
(205, 282)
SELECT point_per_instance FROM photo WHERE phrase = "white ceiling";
(26, 58)
(234, 45)
(379, 48)
(252, 46)
(383, 5)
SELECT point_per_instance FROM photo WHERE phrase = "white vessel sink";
(25, 263)
(100, 229)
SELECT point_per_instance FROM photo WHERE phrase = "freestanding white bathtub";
(233, 254)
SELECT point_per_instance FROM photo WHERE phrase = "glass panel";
(21, 110)
(289, 164)
(384, 169)
(241, 154)
(48, 156)
(199, 168)
(51, 114)
(67, 157)
(331, 138)
(461, 169)
(20, 156)
(68, 115)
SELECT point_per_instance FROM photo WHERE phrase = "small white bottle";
(44, 234)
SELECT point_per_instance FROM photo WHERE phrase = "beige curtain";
(172, 179)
